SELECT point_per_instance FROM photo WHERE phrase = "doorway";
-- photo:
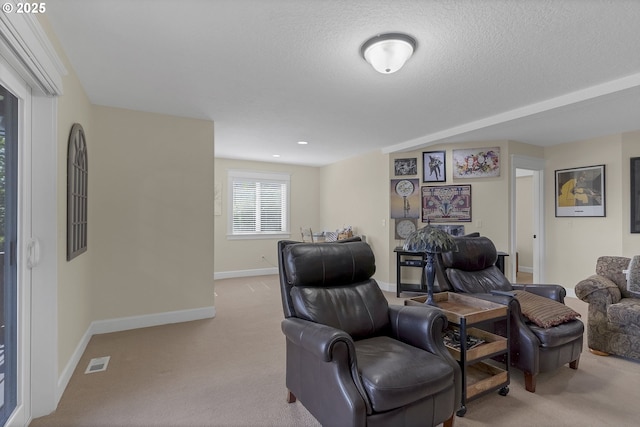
(527, 228)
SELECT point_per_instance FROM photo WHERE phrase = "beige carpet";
(229, 371)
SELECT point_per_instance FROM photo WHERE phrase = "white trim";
(386, 286)
(148, 320)
(24, 44)
(26, 48)
(573, 98)
(245, 273)
(124, 324)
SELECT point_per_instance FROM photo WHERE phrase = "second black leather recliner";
(471, 269)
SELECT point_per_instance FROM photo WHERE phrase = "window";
(259, 204)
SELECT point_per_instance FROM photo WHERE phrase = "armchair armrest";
(316, 338)
(598, 290)
(554, 292)
(423, 327)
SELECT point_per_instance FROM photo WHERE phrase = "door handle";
(33, 253)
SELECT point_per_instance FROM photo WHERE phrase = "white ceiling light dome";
(387, 53)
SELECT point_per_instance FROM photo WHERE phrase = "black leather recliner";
(472, 269)
(351, 358)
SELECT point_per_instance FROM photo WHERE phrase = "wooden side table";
(481, 374)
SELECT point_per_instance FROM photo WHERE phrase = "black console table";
(419, 259)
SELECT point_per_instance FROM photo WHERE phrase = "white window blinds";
(259, 203)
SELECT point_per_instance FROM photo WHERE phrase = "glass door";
(8, 240)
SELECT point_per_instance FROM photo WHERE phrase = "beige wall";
(150, 237)
(243, 255)
(574, 244)
(356, 192)
(489, 196)
(74, 294)
(152, 226)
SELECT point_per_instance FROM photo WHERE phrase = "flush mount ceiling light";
(387, 53)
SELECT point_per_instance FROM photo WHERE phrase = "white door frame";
(28, 54)
(537, 166)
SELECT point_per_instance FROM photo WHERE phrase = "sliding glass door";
(8, 242)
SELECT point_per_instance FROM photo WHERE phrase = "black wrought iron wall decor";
(77, 183)
(635, 195)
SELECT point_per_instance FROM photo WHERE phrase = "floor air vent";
(98, 364)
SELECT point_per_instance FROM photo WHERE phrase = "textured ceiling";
(270, 73)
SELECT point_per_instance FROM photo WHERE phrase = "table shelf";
(480, 372)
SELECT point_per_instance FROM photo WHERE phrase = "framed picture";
(405, 198)
(405, 166)
(580, 191)
(447, 203)
(476, 163)
(635, 195)
(434, 166)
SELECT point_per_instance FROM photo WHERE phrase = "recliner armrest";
(555, 292)
(316, 338)
(420, 327)
(423, 327)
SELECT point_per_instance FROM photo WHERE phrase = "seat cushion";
(626, 312)
(395, 374)
(558, 335)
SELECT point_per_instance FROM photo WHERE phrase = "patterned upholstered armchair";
(613, 325)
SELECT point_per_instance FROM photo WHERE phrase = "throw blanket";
(542, 311)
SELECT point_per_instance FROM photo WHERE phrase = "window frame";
(234, 175)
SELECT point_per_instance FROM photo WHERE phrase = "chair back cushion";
(472, 267)
(331, 284)
(361, 310)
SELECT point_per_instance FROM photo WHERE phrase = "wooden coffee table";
(481, 374)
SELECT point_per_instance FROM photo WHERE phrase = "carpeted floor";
(229, 371)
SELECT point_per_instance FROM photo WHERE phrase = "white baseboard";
(245, 273)
(124, 324)
(525, 269)
(388, 287)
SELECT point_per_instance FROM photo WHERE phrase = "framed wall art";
(635, 194)
(405, 198)
(405, 166)
(447, 203)
(580, 191)
(434, 166)
(476, 163)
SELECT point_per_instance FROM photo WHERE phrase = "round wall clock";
(404, 227)
(404, 188)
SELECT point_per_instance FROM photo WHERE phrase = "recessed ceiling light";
(276, 155)
(302, 142)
